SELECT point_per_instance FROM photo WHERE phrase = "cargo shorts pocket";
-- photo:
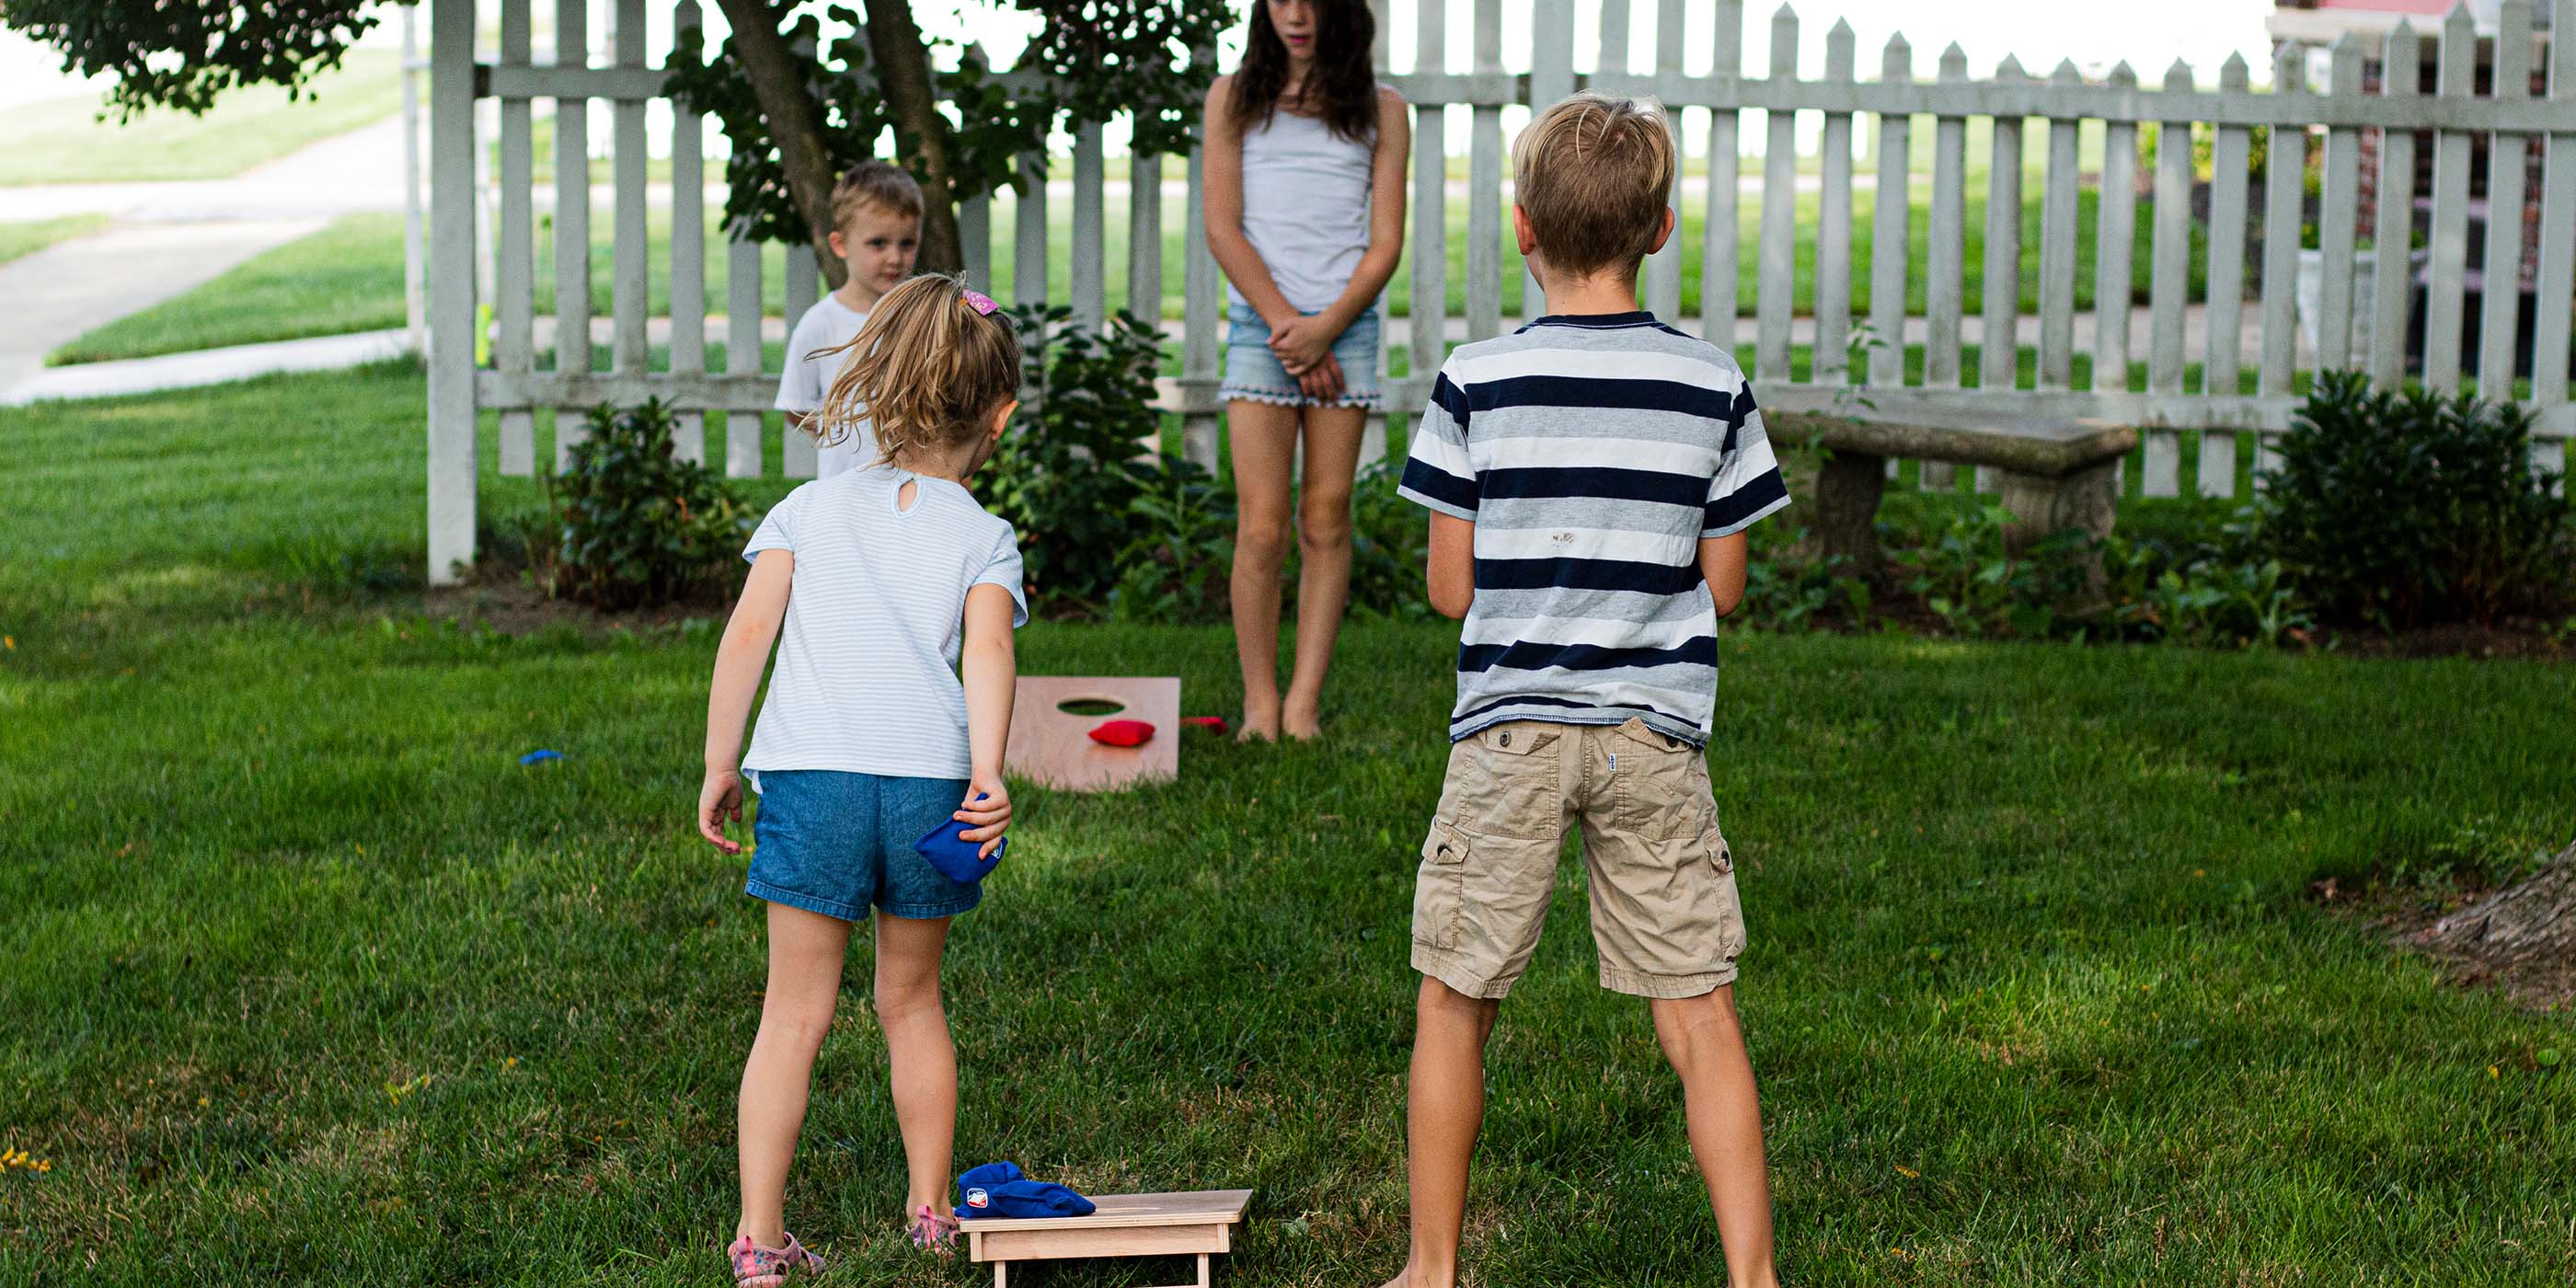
(1663, 788)
(1506, 784)
(1730, 910)
(1439, 888)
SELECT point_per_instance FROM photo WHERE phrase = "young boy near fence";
(876, 231)
(1590, 479)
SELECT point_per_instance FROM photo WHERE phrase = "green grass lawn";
(64, 141)
(303, 965)
(347, 277)
(26, 237)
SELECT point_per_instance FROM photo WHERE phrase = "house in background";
(2314, 25)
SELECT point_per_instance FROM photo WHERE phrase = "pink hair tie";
(978, 301)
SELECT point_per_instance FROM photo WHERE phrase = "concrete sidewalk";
(63, 291)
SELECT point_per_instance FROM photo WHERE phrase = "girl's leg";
(804, 979)
(1264, 438)
(924, 1059)
(1324, 557)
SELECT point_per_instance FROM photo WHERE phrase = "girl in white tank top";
(1305, 213)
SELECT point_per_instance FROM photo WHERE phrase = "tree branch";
(795, 120)
(902, 63)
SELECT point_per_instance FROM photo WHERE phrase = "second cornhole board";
(1053, 747)
(1196, 1223)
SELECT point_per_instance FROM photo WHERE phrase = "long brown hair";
(927, 367)
(1342, 84)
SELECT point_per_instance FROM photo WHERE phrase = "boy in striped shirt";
(1590, 478)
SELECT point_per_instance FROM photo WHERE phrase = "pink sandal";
(758, 1266)
(933, 1233)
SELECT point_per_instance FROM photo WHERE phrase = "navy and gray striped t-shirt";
(1593, 453)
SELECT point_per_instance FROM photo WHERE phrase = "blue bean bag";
(1002, 1190)
(956, 857)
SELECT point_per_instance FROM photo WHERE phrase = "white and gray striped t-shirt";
(1593, 453)
(866, 674)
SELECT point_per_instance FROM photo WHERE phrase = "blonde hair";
(1593, 175)
(874, 183)
(927, 367)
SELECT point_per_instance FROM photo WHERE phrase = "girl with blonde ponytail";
(878, 729)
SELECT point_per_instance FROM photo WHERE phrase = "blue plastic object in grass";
(540, 756)
(957, 858)
(1002, 1190)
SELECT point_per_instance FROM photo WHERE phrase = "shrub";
(2402, 510)
(1070, 471)
(636, 526)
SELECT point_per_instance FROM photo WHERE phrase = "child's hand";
(986, 811)
(720, 799)
(1323, 381)
(1303, 343)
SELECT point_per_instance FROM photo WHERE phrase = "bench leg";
(1001, 1274)
(1848, 490)
(1203, 1270)
(2087, 500)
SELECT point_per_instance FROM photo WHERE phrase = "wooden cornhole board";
(1199, 1222)
(1054, 748)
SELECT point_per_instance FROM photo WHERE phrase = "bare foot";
(1304, 720)
(1260, 721)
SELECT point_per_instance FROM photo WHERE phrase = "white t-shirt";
(866, 675)
(829, 324)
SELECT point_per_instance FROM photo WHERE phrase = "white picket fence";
(2171, 409)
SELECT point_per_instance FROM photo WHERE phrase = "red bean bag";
(1122, 733)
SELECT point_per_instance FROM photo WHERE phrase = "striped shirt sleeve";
(1002, 569)
(1748, 486)
(777, 529)
(1438, 474)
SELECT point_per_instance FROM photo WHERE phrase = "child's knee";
(1440, 1001)
(802, 1025)
(1262, 537)
(902, 999)
(1694, 1028)
(1324, 524)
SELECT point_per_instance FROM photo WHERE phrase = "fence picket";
(1029, 233)
(2168, 288)
(1889, 236)
(1831, 361)
(2338, 213)
(1946, 254)
(1485, 187)
(627, 279)
(1429, 307)
(572, 221)
(1145, 236)
(2393, 228)
(2557, 280)
(2057, 220)
(742, 429)
(2284, 167)
(1999, 338)
(1551, 79)
(2115, 239)
(796, 448)
(1202, 311)
(688, 258)
(2500, 294)
(1777, 298)
(1090, 285)
(2222, 369)
(1720, 280)
(1664, 268)
(514, 267)
(2447, 284)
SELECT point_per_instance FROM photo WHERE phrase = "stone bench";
(2053, 475)
(1197, 1223)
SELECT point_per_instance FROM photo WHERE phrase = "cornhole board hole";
(1053, 747)
(1197, 1223)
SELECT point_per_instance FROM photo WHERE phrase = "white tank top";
(1305, 207)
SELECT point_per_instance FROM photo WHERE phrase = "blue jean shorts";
(1253, 373)
(834, 842)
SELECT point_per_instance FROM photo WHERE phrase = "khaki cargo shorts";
(1664, 912)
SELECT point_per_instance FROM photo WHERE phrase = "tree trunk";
(1848, 490)
(903, 76)
(795, 120)
(2534, 920)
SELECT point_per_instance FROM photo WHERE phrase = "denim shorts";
(834, 842)
(1253, 373)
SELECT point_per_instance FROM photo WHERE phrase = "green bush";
(1075, 462)
(2403, 510)
(636, 526)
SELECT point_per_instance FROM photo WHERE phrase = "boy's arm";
(739, 661)
(1451, 569)
(1721, 561)
(990, 673)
